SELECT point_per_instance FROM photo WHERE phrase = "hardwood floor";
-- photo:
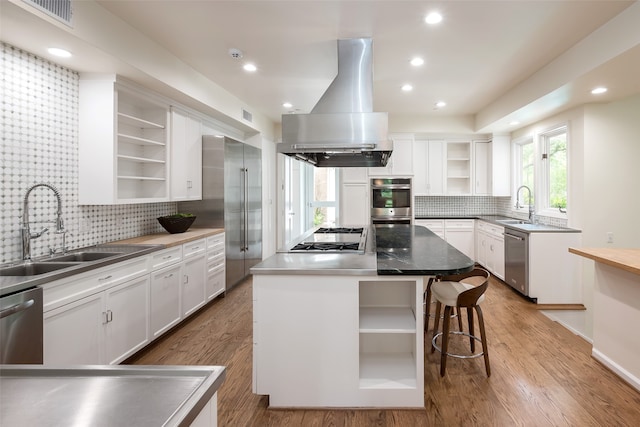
(542, 374)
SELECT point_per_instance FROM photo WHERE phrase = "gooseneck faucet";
(27, 235)
(531, 208)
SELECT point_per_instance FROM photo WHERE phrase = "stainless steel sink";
(81, 257)
(513, 221)
(34, 268)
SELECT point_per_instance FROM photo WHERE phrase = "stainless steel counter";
(35, 395)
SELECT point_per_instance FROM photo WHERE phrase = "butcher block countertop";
(168, 240)
(627, 259)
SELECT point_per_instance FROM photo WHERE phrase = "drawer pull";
(102, 279)
(195, 248)
(168, 276)
(168, 257)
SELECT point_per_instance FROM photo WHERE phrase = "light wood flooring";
(542, 374)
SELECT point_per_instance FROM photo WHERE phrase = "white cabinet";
(123, 148)
(193, 276)
(105, 327)
(429, 167)
(492, 166)
(490, 247)
(186, 156)
(165, 299)
(354, 205)
(401, 161)
(126, 319)
(73, 333)
(458, 161)
(459, 233)
(215, 266)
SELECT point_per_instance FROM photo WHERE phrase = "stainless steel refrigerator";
(231, 199)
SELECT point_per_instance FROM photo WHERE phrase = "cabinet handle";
(168, 276)
(168, 257)
(185, 279)
(105, 278)
(491, 248)
(109, 316)
(196, 248)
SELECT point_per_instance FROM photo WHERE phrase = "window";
(553, 177)
(322, 191)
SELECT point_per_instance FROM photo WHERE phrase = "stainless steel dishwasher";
(516, 260)
(21, 327)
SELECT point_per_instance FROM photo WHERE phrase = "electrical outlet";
(609, 237)
(84, 226)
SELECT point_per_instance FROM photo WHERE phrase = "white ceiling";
(479, 53)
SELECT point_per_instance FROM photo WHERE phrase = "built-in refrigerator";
(231, 199)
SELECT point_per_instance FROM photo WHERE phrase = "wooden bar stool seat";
(460, 291)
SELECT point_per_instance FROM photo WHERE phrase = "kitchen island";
(345, 329)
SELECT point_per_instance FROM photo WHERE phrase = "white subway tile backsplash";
(39, 131)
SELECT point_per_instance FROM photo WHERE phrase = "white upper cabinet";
(186, 156)
(429, 167)
(123, 147)
(492, 167)
(401, 161)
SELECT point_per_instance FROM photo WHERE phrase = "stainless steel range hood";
(342, 130)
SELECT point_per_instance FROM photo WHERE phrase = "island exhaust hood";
(342, 130)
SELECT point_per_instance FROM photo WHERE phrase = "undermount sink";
(34, 268)
(81, 257)
(513, 221)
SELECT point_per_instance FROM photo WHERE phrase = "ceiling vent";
(59, 9)
(247, 116)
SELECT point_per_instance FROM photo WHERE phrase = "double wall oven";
(391, 201)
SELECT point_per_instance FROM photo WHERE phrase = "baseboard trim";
(631, 379)
(560, 307)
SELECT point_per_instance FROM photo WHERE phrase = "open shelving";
(387, 334)
(459, 168)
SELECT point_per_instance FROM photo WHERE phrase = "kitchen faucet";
(27, 235)
(531, 207)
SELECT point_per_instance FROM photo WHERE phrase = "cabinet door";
(186, 156)
(127, 312)
(462, 240)
(193, 284)
(429, 168)
(215, 280)
(354, 205)
(401, 161)
(482, 168)
(165, 299)
(497, 247)
(73, 333)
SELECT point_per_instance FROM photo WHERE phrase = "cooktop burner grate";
(341, 230)
(323, 246)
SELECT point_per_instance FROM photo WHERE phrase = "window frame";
(516, 149)
(543, 181)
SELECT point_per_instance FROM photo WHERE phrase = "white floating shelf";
(387, 371)
(138, 122)
(387, 320)
(137, 140)
(140, 159)
(141, 178)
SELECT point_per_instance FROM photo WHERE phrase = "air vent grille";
(247, 115)
(60, 9)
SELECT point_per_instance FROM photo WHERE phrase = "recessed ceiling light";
(219, 136)
(416, 62)
(599, 90)
(250, 67)
(287, 105)
(440, 104)
(433, 18)
(59, 52)
(514, 122)
(407, 88)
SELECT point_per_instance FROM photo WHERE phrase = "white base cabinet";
(459, 233)
(338, 341)
(490, 247)
(193, 276)
(216, 277)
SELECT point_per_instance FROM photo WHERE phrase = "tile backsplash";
(39, 130)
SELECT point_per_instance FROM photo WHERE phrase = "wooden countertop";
(627, 259)
(168, 240)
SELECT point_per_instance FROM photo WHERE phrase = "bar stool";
(459, 292)
(428, 300)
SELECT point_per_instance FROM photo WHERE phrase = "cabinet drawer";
(194, 248)
(215, 241)
(214, 268)
(458, 224)
(166, 257)
(67, 290)
(492, 229)
(431, 224)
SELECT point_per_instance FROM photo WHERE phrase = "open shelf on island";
(387, 320)
(387, 370)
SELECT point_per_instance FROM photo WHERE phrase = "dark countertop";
(390, 250)
(416, 250)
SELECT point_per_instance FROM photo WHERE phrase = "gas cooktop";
(333, 239)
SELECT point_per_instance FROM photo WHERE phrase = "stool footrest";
(459, 356)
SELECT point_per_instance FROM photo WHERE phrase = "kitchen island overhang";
(345, 330)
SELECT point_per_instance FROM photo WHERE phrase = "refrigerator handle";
(243, 213)
(246, 209)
